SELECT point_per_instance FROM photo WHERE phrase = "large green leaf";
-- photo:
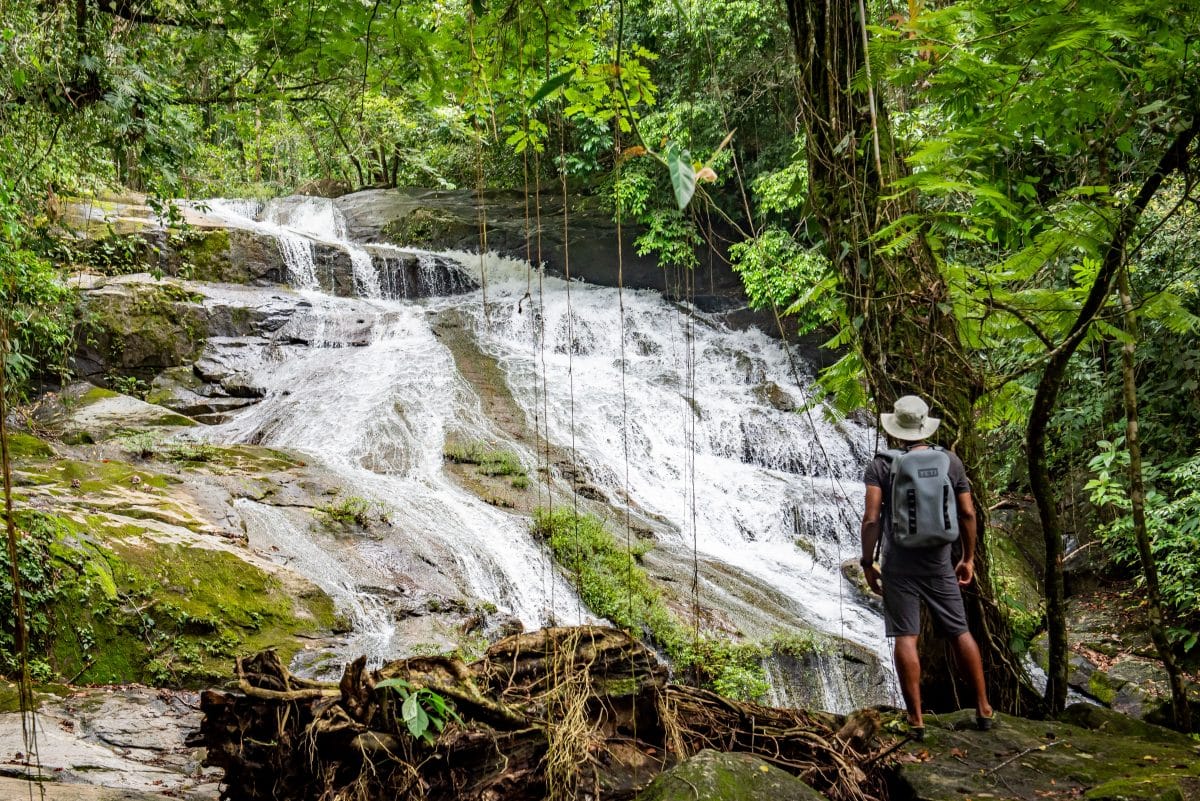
(551, 86)
(683, 175)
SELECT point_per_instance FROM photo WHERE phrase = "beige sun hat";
(909, 419)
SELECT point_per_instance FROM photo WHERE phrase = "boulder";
(137, 327)
(325, 187)
(1093, 753)
(84, 413)
(716, 776)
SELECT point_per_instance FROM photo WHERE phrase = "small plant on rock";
(422, 711)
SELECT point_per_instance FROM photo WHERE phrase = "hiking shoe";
(916, 734)
(985, 723)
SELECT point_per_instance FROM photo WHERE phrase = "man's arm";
(870, 537)
(965, 569)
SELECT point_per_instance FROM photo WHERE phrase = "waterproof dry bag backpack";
(924, 508)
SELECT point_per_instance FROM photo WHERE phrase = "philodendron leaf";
(414, 716)
(683, 175)
(551, 86)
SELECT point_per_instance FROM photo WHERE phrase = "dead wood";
(562, 713)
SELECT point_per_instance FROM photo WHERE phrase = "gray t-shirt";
(912, 561)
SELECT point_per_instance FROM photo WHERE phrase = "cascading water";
(717, 456)
(767, 490)
(371, 396)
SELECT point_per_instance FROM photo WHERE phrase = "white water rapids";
(663, 409)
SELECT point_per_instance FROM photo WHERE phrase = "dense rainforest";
(989, 203)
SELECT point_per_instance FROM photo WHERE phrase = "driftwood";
(563, 713)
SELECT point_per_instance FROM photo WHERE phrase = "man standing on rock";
(919, 500)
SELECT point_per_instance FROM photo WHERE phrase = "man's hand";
(872, 575)
(965, 570)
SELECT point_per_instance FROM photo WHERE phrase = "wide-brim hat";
(909, 419)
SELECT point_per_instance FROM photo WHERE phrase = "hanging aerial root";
(560, 713)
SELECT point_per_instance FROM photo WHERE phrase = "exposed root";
(561, 713)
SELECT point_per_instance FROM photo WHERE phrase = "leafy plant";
(423, 712)
(352, 510)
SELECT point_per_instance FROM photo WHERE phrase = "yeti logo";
(928, 472)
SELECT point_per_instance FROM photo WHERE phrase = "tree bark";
(896, 297)
(1046, 396)
(1181, 711)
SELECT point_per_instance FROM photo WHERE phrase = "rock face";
(1092, 753)
(587, 248)
(717, 776)
(137, 327)
(1112, 661)
(130, 741)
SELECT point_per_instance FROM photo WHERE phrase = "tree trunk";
(1181, 711)
(896, 297)
(1046, 397)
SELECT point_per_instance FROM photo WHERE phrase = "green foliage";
(1172, 522)
(352, 511)
(489, 461)
(37, 308)
(780, 273)
(42, 588)
(423, 712)
(614, 586)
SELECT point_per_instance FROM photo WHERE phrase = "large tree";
(894, 291)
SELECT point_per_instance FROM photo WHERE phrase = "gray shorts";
(902, 596)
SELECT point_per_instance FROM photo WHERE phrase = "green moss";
(27, 446)
(102, 476)
(96, 393)
(1100, 688)
(203, 254)
(1153, 787)
(613, 585)
(489, 461)
(1016, 586)
(118, 610)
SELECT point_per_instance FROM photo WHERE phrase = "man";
(911, 575)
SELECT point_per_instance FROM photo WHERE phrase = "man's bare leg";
(908, 669)
(967, 651)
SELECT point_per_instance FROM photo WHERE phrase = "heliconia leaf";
(683, 175)
(551, 86)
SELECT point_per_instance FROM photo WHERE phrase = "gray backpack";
(924, 507)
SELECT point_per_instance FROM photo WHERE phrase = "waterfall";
(370, 398)
(270, 529)
(710, 437)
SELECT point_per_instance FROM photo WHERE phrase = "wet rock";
(105, 745)
(182, 390)
(450, 220)
(853, 573)
(717, 776)
(139, 326)
(818, 672)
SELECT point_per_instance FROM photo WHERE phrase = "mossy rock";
(430, 228)
(1104, 760)
(203, 255)
(717, 776)
(140, 326)
(101, 414)
(126, 608)
(27, 446)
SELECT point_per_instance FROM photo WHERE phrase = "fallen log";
(562, 713)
